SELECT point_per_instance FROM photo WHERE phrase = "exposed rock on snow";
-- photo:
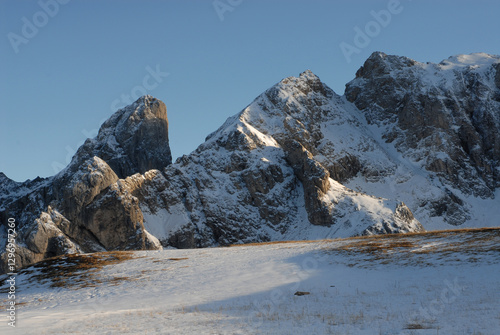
(445, 115)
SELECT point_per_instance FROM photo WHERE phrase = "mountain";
(408, 146)
(444, 120)
(86, 207)
(272, 172)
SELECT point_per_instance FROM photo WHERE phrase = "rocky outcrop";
(315, 180)
(402, 216)
(85, 207)
(80, 184)
(95, 201)
(441, 115)
(133, 140)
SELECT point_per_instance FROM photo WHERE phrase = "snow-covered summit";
(443, 76)
(477, 59)
(306, 78)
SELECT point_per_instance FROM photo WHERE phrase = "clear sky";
(67, 65)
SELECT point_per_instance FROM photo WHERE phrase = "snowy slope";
(399, 284)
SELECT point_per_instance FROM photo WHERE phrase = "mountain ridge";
(299, 162)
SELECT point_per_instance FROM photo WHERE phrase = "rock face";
(446, 114)
(444, 117)
(85, 207)
(133, 140)
(299, 162)
(315, 180)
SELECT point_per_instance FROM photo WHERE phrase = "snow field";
(373, 285)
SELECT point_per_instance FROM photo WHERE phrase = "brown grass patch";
(76, 270)
(455, 245)
(434, 233)
(460, 245)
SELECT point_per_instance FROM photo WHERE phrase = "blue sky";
(65, 68)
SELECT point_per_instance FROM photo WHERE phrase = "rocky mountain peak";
(309, 76)
(6, 183)
(4, 179)
(295, 104)
(380, 64)
(133, 140)
(307, 82)
(444, 116)
(86, 207)
(267, 173)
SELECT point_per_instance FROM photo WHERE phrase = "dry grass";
(436, 233)
(463, 245)
(76, 270)
(4, 303)
(412, 248)
(168, 260)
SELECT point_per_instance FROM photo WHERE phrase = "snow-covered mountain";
(274, 172)
(444, 122)
(299, 162)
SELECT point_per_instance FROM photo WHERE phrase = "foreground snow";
(433, 283)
